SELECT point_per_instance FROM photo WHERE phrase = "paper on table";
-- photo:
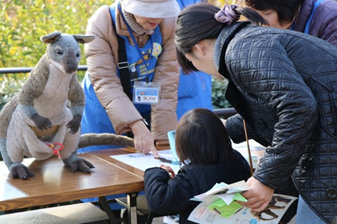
(8, 191)
(142, 162)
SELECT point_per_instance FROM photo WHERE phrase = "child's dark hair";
(286, 10)
(197, 22)
(202, 138)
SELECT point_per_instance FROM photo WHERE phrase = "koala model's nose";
(71, 62)
(71, 67)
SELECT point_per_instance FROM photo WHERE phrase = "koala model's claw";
(81, 165)
(74, 124)
(20, 171)
(41, 123)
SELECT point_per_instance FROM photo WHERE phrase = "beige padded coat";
(102, 57)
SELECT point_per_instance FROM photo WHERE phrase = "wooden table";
(55, 183)
(131, 198)
(105, 155)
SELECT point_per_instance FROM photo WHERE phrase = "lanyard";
(134, 39)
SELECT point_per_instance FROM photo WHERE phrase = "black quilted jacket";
(284, 84)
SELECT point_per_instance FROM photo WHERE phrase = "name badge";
(146, 92)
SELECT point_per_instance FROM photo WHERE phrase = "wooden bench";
(65, 214)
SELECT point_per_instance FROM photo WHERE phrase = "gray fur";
(42, 104)
(5, 117)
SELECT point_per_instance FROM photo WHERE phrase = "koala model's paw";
(74, 124)
(20, 171)
(82, 165)
(41, 123)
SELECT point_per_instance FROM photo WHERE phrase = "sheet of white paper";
(8, 191)
(238, 187)
(201, 214)
(142, 162)
(227, 198)
(217, 188)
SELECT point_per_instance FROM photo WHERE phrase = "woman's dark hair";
(196, 22)
(286, 9)
(202, 138)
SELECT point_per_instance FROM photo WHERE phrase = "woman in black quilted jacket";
(284, 85)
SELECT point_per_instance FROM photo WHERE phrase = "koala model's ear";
(82, 39)
(50, 38)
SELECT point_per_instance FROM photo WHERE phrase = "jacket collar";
(226, 35)
(121, 27)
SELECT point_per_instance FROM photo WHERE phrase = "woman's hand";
(258, 196)
(143, 138)
(169, 170)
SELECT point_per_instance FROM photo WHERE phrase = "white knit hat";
(152, 8)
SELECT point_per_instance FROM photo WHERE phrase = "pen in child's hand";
(164, 160)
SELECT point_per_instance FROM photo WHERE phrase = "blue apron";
(195, 89)
(95, 118)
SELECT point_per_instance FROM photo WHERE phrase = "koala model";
(48, 110)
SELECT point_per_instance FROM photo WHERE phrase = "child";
(201, 139)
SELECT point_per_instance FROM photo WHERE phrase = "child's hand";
(169, 170)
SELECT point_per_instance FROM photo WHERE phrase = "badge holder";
(146, 92)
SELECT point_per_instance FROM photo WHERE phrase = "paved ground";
(157, 220)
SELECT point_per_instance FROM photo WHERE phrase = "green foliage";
(23, 22)
(9, 86)
(218, 94)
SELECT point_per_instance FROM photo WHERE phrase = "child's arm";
(169, 170)
(166, 195)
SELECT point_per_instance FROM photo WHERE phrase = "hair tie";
(227, 14)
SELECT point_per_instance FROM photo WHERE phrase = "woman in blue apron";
(140, 91)
(147, 98)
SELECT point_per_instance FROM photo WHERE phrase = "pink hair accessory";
(227, 14)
